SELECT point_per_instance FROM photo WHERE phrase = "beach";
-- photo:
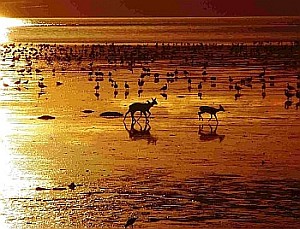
(65, 166)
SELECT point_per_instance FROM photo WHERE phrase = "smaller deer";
(210, 110)
(144, 108)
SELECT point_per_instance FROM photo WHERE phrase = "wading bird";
(130, 221)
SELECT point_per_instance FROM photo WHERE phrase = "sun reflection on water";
(5, 164)
(12, 176)
(6, 25)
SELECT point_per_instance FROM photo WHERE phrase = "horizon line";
(74, 17)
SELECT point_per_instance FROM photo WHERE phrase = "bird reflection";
(165, 95)
(116, 93)
(140, 91)
(138, 131)
(126, 93)
(200, 95)
(210, 134)
(97, 94)
(40, 93)
(237, 96)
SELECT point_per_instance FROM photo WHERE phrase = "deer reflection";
(211, 134)
(165, 95)
(140, 133)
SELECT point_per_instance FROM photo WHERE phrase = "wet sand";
(176, 172)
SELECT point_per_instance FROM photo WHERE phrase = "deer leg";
(146, 115)
(140, 126)
(149, 113)
(216, 118)
(125, 116)
(210, 117)
(200, 116)
(132, 118)
(139, 116)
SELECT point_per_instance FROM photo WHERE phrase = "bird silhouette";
(237, 87)
(289, 87)
(262, 74)
(288, 94)
(164, 88)
(115, 85)
(130, 221)
(200, 85)
(126, 85)
(97, 87)
(298, 94)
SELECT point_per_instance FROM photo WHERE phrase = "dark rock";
(72, 186)
(59, 188)
(41, 189)
(87, 111)
(111, 114)
(46, 117)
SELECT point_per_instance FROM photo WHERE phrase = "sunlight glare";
(11, 176)
(6, 24)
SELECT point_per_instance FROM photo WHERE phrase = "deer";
(144, 108)
(210, 110)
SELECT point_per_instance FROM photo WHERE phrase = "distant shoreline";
(157, 17)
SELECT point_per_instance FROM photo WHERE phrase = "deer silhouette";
(144, 108)
(210, 110)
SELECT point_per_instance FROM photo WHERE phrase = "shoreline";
(180, 172)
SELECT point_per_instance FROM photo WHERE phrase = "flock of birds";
(238, 85)
(170, 77)
(21, 60)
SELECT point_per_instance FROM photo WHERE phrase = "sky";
(126, 8)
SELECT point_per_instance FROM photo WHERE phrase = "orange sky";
(100, 8)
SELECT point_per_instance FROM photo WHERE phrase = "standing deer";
(211, 110)
(144, 108)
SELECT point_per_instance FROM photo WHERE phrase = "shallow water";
(150, 30)
(178, 172)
